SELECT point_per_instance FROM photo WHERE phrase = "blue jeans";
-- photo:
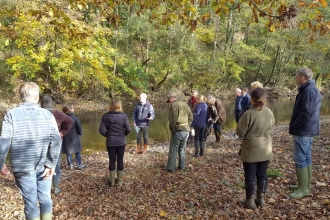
(302, 151)
(34, 189)
(58, 173)
(70, 160)
(143, 131)
(177, 145)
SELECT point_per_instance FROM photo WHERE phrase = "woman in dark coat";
(115, 127)
(71, 141)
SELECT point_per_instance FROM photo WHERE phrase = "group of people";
(37, 136)
(255, 126)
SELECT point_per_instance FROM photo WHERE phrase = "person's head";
(256, 84)
(194, 93)
(29, 92)
(200, 98)
(303, 75)
(210, 100)
(238, 92)
(258, 98)
(68, 108)
(143, 98)
(115, 105)
(171, 97)
(46, 102)
(245, 91)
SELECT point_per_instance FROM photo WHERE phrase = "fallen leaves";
(210, 187)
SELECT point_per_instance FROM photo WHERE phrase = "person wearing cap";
(192, 101)
(142, 115)
(217, 115)
(180, 118)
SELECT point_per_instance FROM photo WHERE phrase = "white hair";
(29, 92)
(306, 73)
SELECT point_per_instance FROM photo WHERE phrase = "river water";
(93, 141)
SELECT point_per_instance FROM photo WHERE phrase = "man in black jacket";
(304, 125)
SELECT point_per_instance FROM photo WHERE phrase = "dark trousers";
(199, 140)
(116, 154)
(238, 114)
(217, 131)
(143, 131)
(251, 172)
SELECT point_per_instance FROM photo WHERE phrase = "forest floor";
(211, 187)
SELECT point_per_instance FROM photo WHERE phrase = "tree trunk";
(277, 52)
(260, 65)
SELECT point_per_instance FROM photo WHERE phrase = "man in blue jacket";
(143, 113)
(304, 125)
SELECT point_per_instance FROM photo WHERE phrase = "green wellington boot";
(120, 177)
(47, 216)
(303, 180)
(112, 178)
(310, 171)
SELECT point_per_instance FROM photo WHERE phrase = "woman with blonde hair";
(256, 127)
(115, 127)
(198, 123)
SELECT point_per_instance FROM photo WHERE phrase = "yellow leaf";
(51, 14)
(7, 42)
(162, 214)
(272, 28)
(79, 6)
(324, 3)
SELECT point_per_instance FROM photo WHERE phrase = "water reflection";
(92, 140)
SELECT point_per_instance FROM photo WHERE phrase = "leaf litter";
(211, 187)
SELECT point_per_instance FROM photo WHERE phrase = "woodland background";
(105, 48)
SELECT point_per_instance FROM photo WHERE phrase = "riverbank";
(210, 188)
(89, 103)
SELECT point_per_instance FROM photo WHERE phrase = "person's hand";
(134, 124)
(48, 173)
(61, 134)
(5, 171)
(148, 119)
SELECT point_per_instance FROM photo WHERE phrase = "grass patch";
(274, 173)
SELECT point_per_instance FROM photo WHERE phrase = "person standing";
(35, 144)
(256, 127)
(192, 100)
(304, 125)
(180, 118)
(245, 101)
(72, 140)
(64, 124)
(217, 115)
(238, 107)
(199, 123)
(115, 127)
(142, 115)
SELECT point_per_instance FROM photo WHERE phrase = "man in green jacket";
(180, 118)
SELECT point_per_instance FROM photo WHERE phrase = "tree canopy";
(124, 47)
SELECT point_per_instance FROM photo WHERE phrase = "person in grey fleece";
(31, 134)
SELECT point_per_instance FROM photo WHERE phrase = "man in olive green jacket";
(180, 118)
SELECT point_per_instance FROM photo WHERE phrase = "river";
(93, 141)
